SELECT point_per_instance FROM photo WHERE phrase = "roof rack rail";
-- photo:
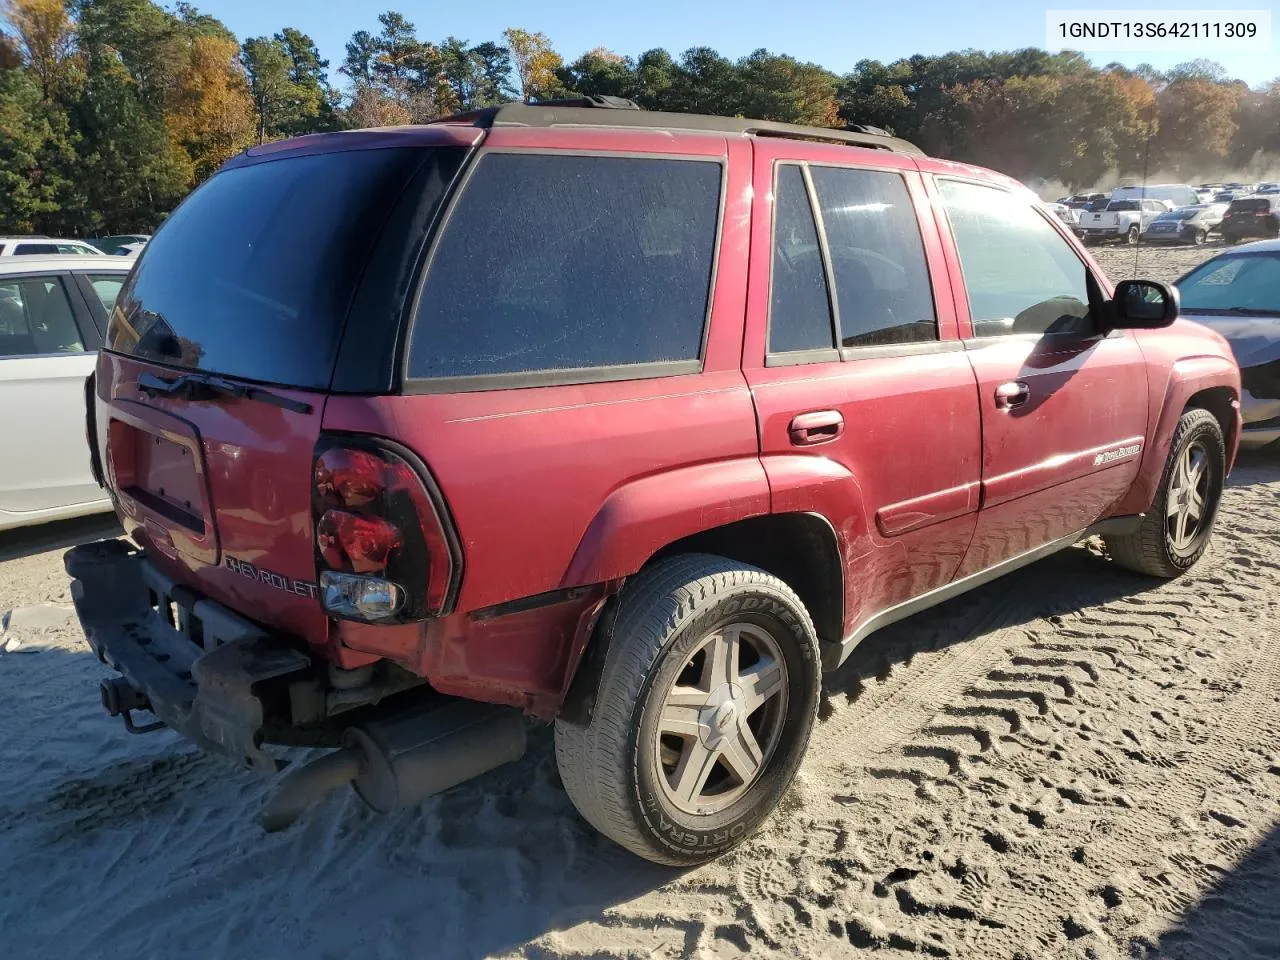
(590, 100)
(600, 111)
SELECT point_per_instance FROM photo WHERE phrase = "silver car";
(1237, 293)
(53, 315)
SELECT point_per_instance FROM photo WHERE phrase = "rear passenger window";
(883, 294)
(570, 263)
(36, 319)
(35, 249)
(799, 310)
(107, 289)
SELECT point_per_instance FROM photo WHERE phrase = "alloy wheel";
(1185, 507)
(721, 719)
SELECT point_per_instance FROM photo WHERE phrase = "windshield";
(1179, 215)
(1246, 282)
(253, 275)
(1249, 206)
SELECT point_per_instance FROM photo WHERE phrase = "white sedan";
(53, 316)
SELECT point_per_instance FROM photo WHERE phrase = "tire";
(1161, 546)
(623, 774)
(1132, 236)
(1199, 238)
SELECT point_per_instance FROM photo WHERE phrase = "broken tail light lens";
(382, 551)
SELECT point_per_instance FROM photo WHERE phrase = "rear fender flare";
(642, 516)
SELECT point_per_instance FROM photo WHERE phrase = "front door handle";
(821, 426)
(1012, 394)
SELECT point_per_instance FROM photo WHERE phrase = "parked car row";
(1174, 213)
(40, 246)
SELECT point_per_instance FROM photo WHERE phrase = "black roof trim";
(616, 112)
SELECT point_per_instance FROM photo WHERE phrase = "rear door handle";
(1012, 394)
(821, 426)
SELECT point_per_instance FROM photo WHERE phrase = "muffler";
(399, 760)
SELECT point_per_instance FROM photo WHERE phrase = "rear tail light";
(383, 551)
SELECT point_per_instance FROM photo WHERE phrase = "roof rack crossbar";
(598, 111)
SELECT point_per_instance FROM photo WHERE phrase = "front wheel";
(1175, 532)
(703, 713)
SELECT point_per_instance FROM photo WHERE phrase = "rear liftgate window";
(253, 275)
(570, 268)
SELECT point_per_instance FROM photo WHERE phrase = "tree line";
(112, 110)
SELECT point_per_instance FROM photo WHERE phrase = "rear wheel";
(1175, 532)
(1199, 238)
(1133, 234)
(703, 713)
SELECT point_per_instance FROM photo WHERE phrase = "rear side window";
(107, 288)
(35, 249)
(799, 310)
(252, 276)
(883, 294)
(36, 319)
(570, 263)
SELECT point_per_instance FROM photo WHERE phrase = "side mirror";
(1143, 305)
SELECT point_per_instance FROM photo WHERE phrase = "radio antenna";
(1146, 158)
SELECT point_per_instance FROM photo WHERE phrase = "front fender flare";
(1187, 377)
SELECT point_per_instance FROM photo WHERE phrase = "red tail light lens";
(348, 541)
(349, 478)
(380, 536)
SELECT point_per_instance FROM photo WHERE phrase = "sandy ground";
(1166, 263)
(1071, 762)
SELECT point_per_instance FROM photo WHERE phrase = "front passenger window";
(1021, 276)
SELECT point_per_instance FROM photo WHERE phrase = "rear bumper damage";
(230, 686)
(191, 662)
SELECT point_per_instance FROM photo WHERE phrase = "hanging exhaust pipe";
(400, 760)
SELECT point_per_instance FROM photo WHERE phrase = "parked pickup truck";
(1121, 220)
(629, 422)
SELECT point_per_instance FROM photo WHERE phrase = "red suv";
(634, 422)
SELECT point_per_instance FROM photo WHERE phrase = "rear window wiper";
(203, 386)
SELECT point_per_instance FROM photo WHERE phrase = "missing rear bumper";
(191, 662)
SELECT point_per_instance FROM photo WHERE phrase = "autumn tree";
(1197, 123)
(45, 37)
(211, 115)
(775, 87)
(535, 63)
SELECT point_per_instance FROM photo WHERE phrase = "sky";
(833, 33)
